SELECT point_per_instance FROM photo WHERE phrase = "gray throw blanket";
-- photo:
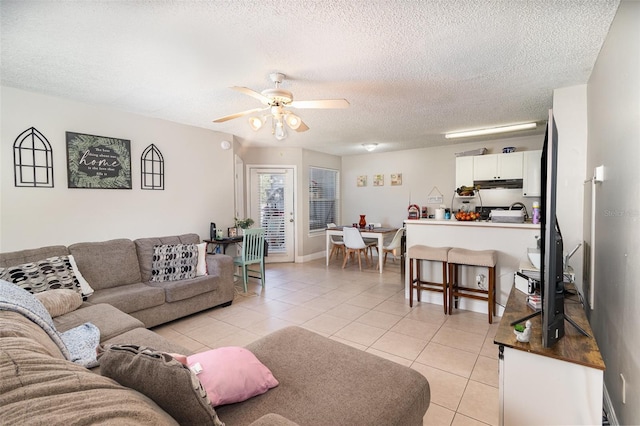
(78, 344)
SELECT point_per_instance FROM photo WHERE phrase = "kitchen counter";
(474, 223)
(510, 240)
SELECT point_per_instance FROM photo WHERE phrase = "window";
(32, 160)
(152, 168)
(324, 198)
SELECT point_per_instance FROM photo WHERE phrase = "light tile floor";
(366, 310)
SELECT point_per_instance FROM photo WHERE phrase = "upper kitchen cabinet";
(532, 174)
(464, 171)
(498, 166)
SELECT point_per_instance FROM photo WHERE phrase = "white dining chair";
(372, 242)
(393, 246)
(354, 245)
(337, 243)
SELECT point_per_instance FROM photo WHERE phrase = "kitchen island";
(509, 240)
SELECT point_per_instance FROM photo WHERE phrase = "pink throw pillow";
(232, 374)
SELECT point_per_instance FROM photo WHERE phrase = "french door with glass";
(271, 207)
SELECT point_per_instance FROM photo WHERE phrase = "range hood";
(498, 184)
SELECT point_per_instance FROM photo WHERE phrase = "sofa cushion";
(144, 249)
(59, 302)
(31, 255)
(148, 338)
(231, 374)
(107, 264)
(109, 320)
(44, 274)
(39, 389)
(130, 298)
(150, 372)
(185, 289)
(173, 262)
(17, 325)
(310, 367)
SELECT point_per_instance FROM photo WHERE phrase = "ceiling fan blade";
(302, 128)
(238, 114)
(322, 103)
(259, 96)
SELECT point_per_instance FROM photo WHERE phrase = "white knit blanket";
(77, 345)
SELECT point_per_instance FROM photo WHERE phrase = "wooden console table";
(551, 386)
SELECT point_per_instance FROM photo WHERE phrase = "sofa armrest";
(219, 265)
(273, 419)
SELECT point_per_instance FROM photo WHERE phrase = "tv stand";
(539, 312)
(566, 379)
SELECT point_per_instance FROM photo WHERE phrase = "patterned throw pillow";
(47, 274)
(173, 262)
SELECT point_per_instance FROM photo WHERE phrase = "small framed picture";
(362, 180)
(232, 232)
(396, 179)
(378, 180)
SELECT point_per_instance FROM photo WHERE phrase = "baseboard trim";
(608, 408)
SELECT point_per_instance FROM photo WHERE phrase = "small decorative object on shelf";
(363, 221)
(523, 335)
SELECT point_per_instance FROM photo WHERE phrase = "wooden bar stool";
(419, 253)
(481, 258)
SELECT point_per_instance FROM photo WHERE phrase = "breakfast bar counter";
(509, 240)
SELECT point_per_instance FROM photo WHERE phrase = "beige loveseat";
(119, 271)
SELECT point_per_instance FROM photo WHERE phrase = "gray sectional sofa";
(119, 271)
(321, 381)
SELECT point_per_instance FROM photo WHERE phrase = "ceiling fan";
(277, 100)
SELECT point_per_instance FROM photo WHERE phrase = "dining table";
(366, 232)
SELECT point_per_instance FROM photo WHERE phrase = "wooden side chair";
(252, 254)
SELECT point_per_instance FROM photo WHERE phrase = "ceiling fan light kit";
(276, 100)
(256, 122)
(490, 130)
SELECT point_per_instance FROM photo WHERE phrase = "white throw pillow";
(201, 267)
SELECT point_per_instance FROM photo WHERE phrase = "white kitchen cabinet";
(498, 166)
(532, 174)
(464, 171)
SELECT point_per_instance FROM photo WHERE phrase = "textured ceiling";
(411, 70)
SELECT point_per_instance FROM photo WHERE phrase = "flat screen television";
(551, 248)
(552, 287)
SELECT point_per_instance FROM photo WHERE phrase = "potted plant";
(244, 223)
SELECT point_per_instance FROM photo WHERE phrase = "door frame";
(294, 191)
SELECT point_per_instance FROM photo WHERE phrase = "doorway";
(271, 205)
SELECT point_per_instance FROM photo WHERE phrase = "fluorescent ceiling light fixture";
(490, 130)
(369, 146)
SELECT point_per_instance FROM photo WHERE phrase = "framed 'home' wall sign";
(98, 162)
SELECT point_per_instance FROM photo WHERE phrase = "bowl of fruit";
(467, 216)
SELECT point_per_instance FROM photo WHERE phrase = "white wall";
(198, 188)
(613, 141)
(570, 113)
(422, 171)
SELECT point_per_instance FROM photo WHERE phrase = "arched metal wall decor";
(32, 160)
(152, 168)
